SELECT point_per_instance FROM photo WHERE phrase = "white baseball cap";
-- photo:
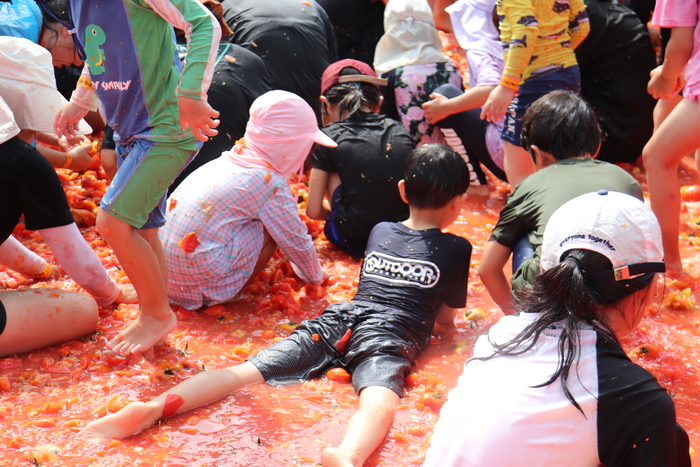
(618, 226)
(28, 85)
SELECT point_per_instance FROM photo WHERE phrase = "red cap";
(331, 76)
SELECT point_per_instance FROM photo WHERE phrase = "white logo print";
(401, 271)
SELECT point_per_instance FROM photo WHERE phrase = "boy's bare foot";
(332, 457)
(128, 421)
(143, 334)
(127, 294)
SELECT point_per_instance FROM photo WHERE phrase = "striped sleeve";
(203, 34)
(523, 28)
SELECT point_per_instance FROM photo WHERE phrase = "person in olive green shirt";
(562, 134)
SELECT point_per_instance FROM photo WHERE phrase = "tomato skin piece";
(339, 375)
(189, 242)
(343, 342)
(172, 403)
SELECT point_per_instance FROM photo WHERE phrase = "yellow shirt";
(539, 34)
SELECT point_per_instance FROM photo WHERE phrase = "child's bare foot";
(130, 420)
(127, 294)
(332, 457)
(143, 334)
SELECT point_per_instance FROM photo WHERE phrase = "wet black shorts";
(29, 186)
(375, 356)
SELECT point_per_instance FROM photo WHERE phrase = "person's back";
(568, 171)
(553, 380)
(615, 60)
(295, 40)
(370, 159)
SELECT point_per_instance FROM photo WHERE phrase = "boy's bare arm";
(440, 107)
(491, 272)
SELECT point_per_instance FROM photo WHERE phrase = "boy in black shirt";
(413, 275)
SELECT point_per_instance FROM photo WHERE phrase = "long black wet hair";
(351, 97)
(564, 299)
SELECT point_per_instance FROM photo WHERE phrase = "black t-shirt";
(370, 160)
(414, 272)
(615, 61)
(295, 40)
(239, 78)
(358, 26)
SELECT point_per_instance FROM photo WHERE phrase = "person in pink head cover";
(240, 207)
(679, 134)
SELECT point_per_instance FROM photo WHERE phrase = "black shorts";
(29, 185)
(375, 355)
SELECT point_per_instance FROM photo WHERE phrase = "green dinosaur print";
(95, 56)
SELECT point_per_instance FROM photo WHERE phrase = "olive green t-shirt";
(535, 199)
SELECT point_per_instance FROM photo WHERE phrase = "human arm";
(492, 276)
(203, 33)
(77, 158)
(280, 216)
(440, 107)
(666, 79)
(315, 208)
(579, 25)
(496, 105)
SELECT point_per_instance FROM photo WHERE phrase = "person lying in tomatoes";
(412, 276)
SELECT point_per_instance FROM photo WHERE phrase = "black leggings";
(466, 131)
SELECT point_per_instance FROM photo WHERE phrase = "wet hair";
(562, 124)
(435, 174)
(350, 97)
(562, 294)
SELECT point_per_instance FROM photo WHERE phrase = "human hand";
(436, 109)
(199, 116)
(81, 157)
(67, 143)
(67, 119)
(661, 87)
(497, 104)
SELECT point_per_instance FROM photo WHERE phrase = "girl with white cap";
(240, 207)
(551, 385)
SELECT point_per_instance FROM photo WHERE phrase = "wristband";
(46, 272)
(86, 83)
(509, 82)
(69, 160)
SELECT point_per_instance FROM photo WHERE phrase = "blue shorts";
(137, 194)
(332, 229)
(532, 89)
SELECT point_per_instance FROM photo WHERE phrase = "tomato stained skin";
(172, 403)
(339, 375)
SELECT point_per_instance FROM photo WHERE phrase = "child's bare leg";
(141, 264)
(677, 136)
(203, 388)
(38, 318)
(366, 428)
(517, 163)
